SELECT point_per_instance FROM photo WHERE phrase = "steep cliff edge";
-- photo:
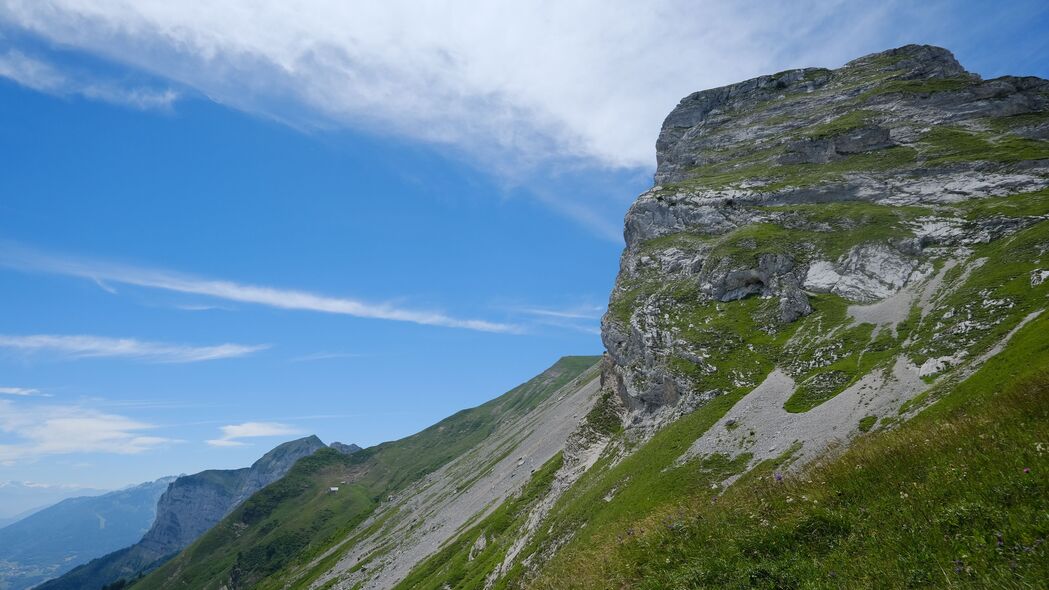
(810, 190)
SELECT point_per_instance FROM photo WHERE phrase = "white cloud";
(231, 434)
(81, 346)
(532, 81)
(583, 312)
(62, 429)
(42, 76)
(13, 256)
(22, 391)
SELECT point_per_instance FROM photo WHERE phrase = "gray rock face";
(751, 178)
(195, 503)
(191, 505)
(829, 149)
(347, 449)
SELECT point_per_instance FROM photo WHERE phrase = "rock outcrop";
(806, 182)
(346, 449)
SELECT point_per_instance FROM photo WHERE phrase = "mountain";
(189, 506)
(54, 540)
(19, 499)
(827, 365)
(4, 521)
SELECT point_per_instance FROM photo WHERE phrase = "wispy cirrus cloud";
(233, 433)
(40, 431)
(23, 392)
(83, 346)
(43, 76)
(583, 312)
(580, 318)
(20, 258)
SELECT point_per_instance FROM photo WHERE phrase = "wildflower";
(1027, 469)
(778, 476)
(904, 495)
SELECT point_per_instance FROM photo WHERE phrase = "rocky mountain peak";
(912, 62)
(788, 186)
(346, 449)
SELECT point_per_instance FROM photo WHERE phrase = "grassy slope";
(944, 501)
(658, 508)
(296, 518)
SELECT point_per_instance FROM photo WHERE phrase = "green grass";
(867, 422)
(945, 145)
(783, 176)
(843, 123)
(1027, 204)
(276, 532)
(858, 354)
(604, 418)
(942, 501)
(991, 302)
(930, 86)
(1018, 121)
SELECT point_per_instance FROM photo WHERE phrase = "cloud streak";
(233, 433)
(43, 76)
(27, 260)
(22, 392)
(81, 346)
(61, 430)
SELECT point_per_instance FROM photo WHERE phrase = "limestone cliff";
(811, 182)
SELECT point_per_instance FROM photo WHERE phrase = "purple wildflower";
(778, 476)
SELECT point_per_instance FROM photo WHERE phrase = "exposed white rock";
(821, 277)
(937, 365)
(868, 273)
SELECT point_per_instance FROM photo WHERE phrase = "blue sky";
(221, 229)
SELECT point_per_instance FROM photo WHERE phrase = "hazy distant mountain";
(6, 520)
(51, 541)
(19, 499)
(191, 505)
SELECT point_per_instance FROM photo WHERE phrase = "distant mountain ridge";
(19, 499)
(188, 508)
(51, 541)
